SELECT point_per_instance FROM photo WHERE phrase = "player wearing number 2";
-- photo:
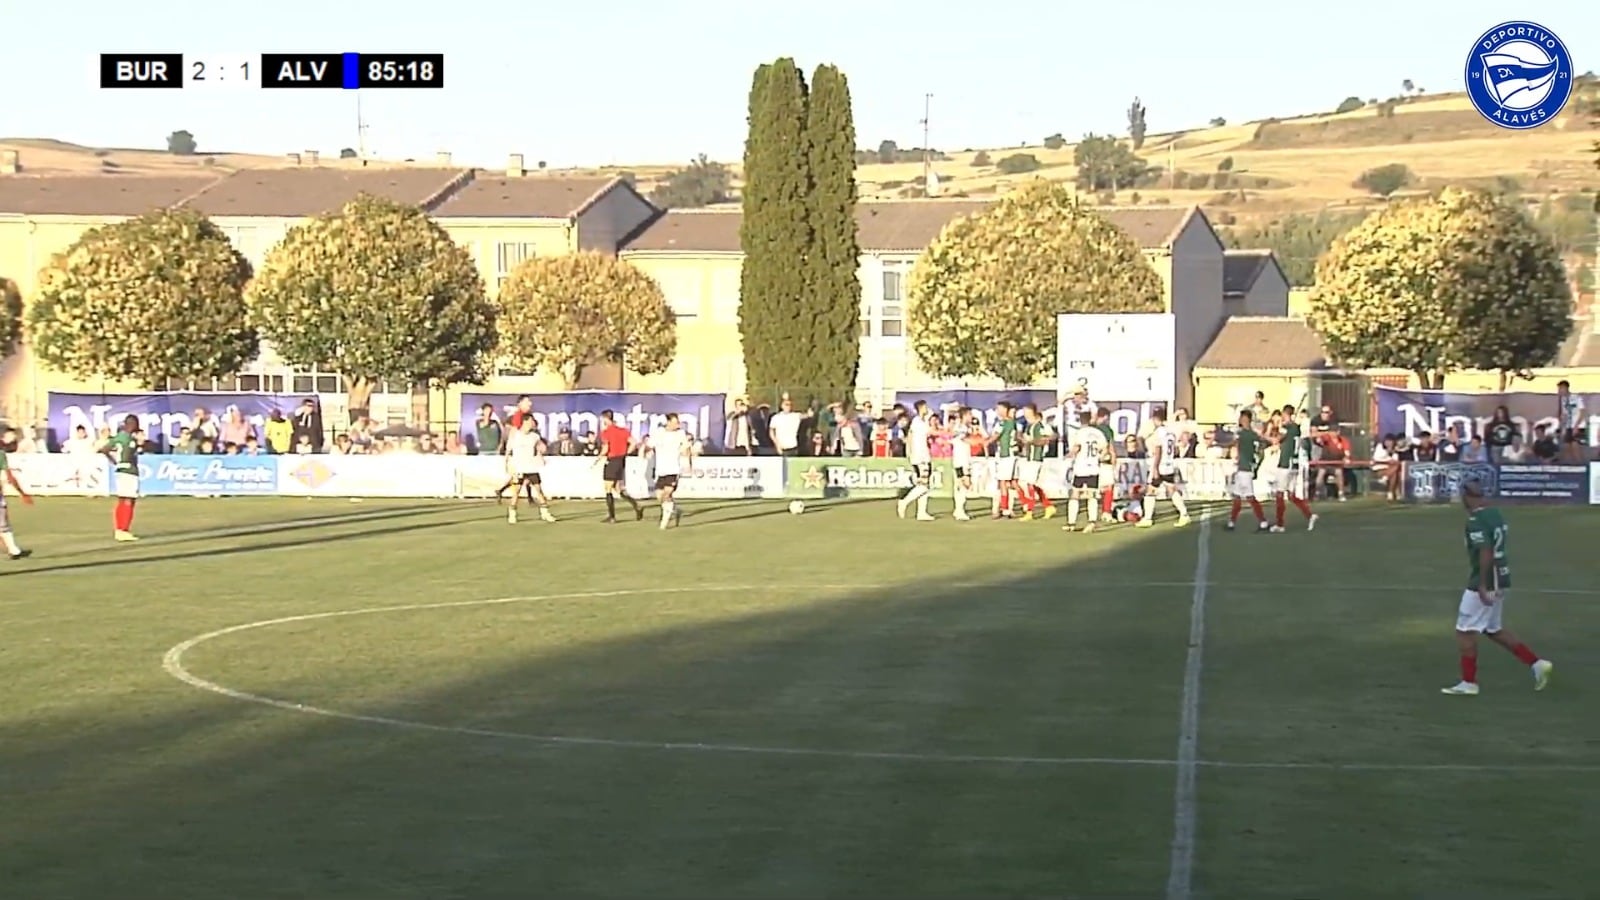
(1483, 602)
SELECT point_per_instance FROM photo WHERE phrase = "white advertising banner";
(563, 478)
(62, 474)
(1594, 483)
(389, 475)
(716, 478)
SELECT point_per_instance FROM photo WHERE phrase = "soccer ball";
(796, 507)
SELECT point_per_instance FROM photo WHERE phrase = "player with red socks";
(1035, 441)
(1483, 602)
(1006, 450)
(1108, 472)
(1284, 432)
(1246, 451)
(123, 448)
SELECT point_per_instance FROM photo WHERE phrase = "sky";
(621, 82)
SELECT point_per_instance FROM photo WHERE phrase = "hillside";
(1277, 166)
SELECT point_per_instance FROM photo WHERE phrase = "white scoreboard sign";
(1119, 357)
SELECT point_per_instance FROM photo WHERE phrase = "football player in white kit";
(671, 452)
(964, 431)
(525, 449)
(919, 453)
(1088, 453)
(1164, 473)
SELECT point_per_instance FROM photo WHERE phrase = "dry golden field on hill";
(1300, 164)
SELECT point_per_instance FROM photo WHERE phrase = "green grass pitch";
(761, 705)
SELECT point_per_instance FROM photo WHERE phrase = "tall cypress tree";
(776, 233)
(833, 285)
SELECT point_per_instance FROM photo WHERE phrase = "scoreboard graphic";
(331, 71)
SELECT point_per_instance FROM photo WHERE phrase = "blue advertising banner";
(1441, 482)
(1408, 412)
(162, 414)
(1125, 417)
(702, 414)
(204, 476)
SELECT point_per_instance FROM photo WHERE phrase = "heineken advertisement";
(858, 477)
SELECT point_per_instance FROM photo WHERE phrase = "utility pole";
(361, 130)
(927, 157)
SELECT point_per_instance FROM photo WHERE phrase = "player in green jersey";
(123, 448)
(1284, 469)
(1036, 440)
(1483, 602)
(1004, 441)
(1108, 472)
(8, 444)
(1247, 447)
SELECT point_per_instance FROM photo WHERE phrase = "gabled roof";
(309, 191)
(1241, 269)
(894, 226)
(1265, 343)
(1276, 343)
(528, 196)
(96, 195)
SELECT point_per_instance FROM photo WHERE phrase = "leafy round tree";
(146, 299)
(985, 294)
(566, 313)
(1433, 285)
(374, 291)
(10, 317)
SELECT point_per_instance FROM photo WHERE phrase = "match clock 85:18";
(402, 70)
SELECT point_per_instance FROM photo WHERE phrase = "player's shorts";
(529, 478)
(664, 482)
(1171, 479)
(1242, 485)
(922, 473)
(1281, 480)
(1005, 468)
(1028, 471)
(125, 485)
(1475, 615)
(616, 469)
(1086, 482)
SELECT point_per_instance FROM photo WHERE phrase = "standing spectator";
(1131, 448)
(27, 440)
(485, 432)
(1450, 447)
(1259, 412)
(866, 419)
(452, 443)
(882, 440)
(1183, 424)
(1501, 433)
(308, 422)
(280, 433)
(785, 429)
(205, 426)
(361, 435)
(848, 437)
(565, 445)
(186, 443)
(1071, 412)
(80, 442)
(1569, 411)
(1188, 448)
(741, 436)
(1324, 420)
(1386, 465)
(236, 429)
(898, 432)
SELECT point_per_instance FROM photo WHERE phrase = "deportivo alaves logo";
(864, 477)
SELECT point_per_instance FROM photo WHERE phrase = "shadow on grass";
(219, 798)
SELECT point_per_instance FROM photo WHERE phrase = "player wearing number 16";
(1483, 602)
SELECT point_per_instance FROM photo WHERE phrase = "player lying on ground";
(1483, 602)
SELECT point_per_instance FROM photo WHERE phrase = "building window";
(508, 256)
(891, 312)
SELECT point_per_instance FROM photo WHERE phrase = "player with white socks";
(919, 452)
(671, 452)
(1088, 453)
(1164, 473)
(8, 444)
(964, 431)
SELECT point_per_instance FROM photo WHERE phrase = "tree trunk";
(421, 411)
(1505, 380)
(358, 397)
(576, 376)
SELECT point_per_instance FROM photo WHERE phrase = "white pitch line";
(1180, 871)
(172, 663)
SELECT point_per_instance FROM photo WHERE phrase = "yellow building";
(505, 217)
